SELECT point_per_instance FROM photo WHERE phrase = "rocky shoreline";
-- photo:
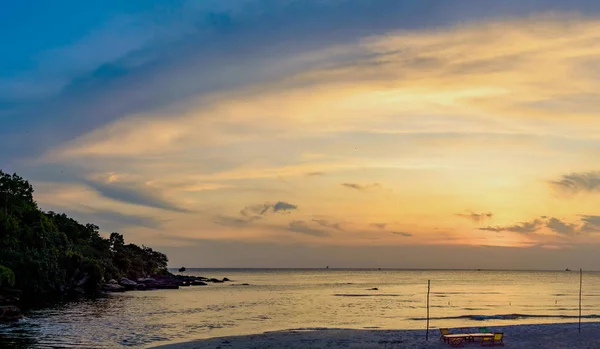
(9, 311)
(159, 282)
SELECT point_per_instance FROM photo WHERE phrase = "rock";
(162, 282)
(215, 280)
(144, 280)
(10, 313)
(373, 289)
(226, 279)
(140, 287)
(112, 282)
(128, 284)
(83, 280)
(198, 283)
(113, 288)
(79, 290)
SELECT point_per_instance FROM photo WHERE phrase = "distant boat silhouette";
(182, 269)
(567, 269)
(327, 267)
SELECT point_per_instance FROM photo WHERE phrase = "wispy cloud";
(553, 224)
(378, 225)
(253, 213)
(522, 227)
(134, 194)
(476, 217)
(230, 221)
(262, 209)
(402, 233)
(327, 224)
(561, 227)
(578, 182)
(303, 227)
(361, 187)
(590, 223)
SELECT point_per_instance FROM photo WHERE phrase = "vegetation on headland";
(47, 256)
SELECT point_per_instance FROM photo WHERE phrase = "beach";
(548, 336)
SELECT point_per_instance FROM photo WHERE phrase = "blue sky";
(379, 121)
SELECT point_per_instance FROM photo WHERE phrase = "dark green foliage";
(49, 255)
(7, 277)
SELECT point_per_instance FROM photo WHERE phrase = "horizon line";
(388, 268)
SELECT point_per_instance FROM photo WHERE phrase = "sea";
(280, 299)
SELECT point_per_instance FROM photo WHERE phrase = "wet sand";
(547, 336)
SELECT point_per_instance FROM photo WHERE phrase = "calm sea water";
(308, 298)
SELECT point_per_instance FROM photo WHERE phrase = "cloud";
(230, 221)
(109, 220)
(133, 194)
(378, 225)
(402, 233)
(315, 174)
(262, 209)
(578, 182)
(476, 217)
(561, 227)
(556, 225)
(281, 206)
(328, 224)
(590, 223)
(253, 213)
(360, 186)
(302, 227)
(522, 228)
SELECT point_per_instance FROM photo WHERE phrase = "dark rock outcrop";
(158, 282)
(161, 282)
(10, 313)
(113, 288)
(128, 284)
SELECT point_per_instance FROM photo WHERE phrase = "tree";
(49, 255)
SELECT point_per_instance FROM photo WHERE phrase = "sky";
(289, 133)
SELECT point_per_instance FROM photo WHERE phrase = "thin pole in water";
(428, 289)
(580, 284)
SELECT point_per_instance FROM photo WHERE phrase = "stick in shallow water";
(428, 289)
(580, 283)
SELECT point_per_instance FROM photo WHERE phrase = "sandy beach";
(547, 336)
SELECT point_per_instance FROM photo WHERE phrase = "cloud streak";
(327, 224)
(476, 217)
(262, 209)
(401, 233)
(134, 194)
(522, 227)
(578, 182)
(303, 227)
(361, 187)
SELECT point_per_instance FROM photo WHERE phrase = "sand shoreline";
(563, 335)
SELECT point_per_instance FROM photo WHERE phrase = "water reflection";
(277, 300)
